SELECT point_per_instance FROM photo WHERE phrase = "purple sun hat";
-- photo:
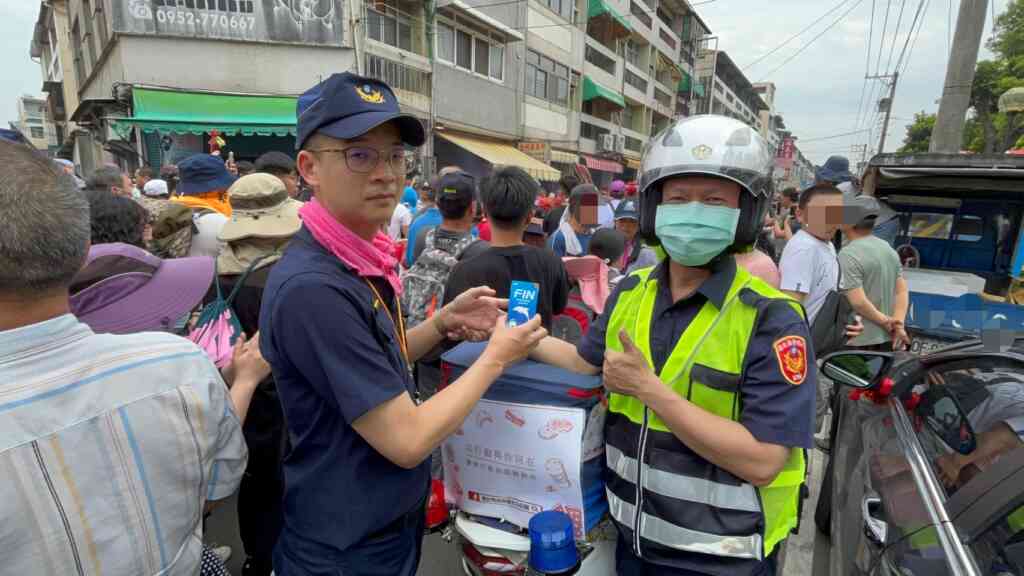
(122, 289)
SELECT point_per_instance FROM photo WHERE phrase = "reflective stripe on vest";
(705, 367)
(667, 534)
(699, 490)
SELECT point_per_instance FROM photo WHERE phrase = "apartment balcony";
(398, 25)
(602, 64)
(642, 18)
(636, 84)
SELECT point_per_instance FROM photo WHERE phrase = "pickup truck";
(961, 240)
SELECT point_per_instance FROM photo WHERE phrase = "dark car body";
(890, 511)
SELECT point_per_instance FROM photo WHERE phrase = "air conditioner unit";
(620, 143)
(608, 142)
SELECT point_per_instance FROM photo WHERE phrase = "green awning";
(593, 90)
(685, 83)
(698, 89)
(596, 8)
(198, 112)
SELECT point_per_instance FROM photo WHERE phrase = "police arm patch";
(791, 352)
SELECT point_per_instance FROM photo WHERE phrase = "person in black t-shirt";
(508, 198)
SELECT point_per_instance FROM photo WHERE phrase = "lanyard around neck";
(399, 325)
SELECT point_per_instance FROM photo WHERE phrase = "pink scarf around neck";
(367, 259)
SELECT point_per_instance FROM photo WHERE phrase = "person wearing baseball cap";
(357, 475)
(636, 255)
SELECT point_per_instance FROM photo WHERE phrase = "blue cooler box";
(530, 382)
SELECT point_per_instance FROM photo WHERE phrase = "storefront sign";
(784, 157)
(319, 22)
(512, 461)
(537, 150)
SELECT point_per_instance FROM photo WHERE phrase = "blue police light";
(552, 544)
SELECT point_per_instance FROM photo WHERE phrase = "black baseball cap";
(454, 193)
(347, 106)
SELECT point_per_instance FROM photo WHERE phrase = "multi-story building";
(34, 123)
(541, 84)
(148, 81)
(728, 91)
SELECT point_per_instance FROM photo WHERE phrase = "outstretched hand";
(472, 315)
(627, 372)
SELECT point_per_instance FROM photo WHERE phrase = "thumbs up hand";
(627, 372)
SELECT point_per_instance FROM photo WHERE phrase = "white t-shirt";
(809, 266)
(205, 242)
(401, 217)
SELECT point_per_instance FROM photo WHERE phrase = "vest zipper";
(639, 485)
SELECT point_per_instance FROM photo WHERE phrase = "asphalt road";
(806, 553)
(439, 557)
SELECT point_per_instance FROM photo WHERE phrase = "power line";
(896, 34)
(867, 65)
(795, 36)
(832, 136)
(922, 8)
(820, 34)
(881, 47)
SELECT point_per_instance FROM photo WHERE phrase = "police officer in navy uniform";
(711, 377)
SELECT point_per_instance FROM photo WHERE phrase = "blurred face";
(140, 179)
(291, 183)
(360, 180)
(705, 189)
(126, 186)
(588, 211)
(628, 227)
(823, 215)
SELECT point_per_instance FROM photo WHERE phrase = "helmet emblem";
(702, 152)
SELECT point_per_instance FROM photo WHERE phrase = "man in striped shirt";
(110, 446)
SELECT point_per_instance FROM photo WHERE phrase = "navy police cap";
(347, 106)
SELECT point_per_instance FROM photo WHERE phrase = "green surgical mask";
(694, 233)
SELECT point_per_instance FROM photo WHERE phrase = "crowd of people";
(316, 296)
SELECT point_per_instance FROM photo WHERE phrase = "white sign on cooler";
(511, 461)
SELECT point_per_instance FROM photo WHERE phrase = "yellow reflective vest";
(662, 495)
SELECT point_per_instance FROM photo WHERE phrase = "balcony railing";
(600, 60)
(398, 75)
(635, 81)
(662, 98)
(640, 13)
(667, 38)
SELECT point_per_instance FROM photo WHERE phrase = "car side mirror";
(856, 369)
(945, 417)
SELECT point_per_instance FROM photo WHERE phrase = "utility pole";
(956, 95)
(895, 76)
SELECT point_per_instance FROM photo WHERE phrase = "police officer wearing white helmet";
(710, 373)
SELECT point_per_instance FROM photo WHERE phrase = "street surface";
(441, 558)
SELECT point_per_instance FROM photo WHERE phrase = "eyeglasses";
(363, 160)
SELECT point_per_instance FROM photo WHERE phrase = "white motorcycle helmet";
(709, 145)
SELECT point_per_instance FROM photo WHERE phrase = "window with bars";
(640, 13)
(563, 8)
(385, 24)
(547, 79)
(398, 75)
(599, 59)
(635, 81)
(631, 52)
(662, 98)
(471, 52)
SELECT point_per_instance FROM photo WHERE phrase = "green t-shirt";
(870, 263)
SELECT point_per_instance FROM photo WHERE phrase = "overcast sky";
(818, 91)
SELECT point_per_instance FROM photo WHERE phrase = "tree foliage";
(996, 131)
(919, 134)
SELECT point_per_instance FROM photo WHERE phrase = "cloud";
(20, 74)
(818, 92)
